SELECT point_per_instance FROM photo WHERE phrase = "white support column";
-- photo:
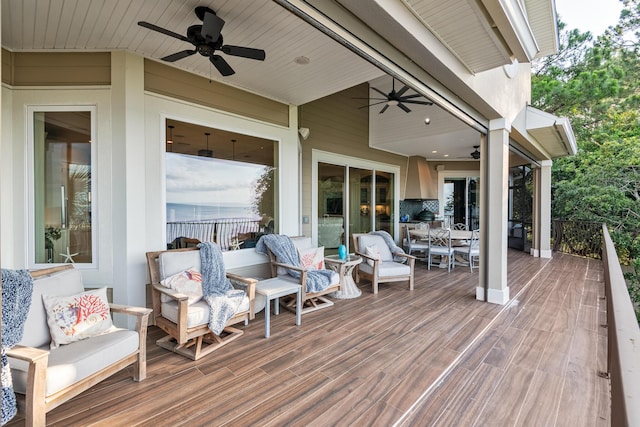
(493, 286)
(535, 214)
(543, 213)
(128, 172)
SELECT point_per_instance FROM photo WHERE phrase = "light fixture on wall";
(304, 133)
(207, 152)
(170, 139)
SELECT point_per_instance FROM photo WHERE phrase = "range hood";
(421, 184)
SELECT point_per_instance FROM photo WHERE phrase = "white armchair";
(381, 270)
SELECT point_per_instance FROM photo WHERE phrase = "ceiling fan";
(394, 98)
(475, 154)
(207, 40)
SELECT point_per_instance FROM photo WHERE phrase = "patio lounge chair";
(384, 269)
(311, 301)
(83, 352)
(186, 324)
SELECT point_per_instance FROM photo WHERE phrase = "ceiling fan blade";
(178, 55)
(381, 99)
(163, 31)
(245, 52)
(404, 108)
(384, 109)
(415, 95)
(380, 92)
(221, 65)
(211, 26)
(401, 91)
(374, 104)
(409, 101)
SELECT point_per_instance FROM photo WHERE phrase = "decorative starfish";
(68, 257)
(235, 244)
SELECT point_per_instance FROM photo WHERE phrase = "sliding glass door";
(353, 200)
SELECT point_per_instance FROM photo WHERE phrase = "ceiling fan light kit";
(207, 40)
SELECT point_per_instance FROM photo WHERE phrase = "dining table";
(458, 238)
(456, 235)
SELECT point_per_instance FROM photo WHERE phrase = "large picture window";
(62, 186)
(220, 186)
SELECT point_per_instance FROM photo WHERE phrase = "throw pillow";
(76, 317)
(188, 282)
(373, 252)
(312, 258)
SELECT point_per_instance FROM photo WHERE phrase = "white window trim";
(30, 170)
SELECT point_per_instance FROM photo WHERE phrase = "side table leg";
(267, 318)
(276, 306)
(299, 307)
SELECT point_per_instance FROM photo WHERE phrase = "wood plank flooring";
(431, 356)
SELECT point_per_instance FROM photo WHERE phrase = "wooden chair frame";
(197, 341)
(311, 301)
(375, 278)
(36, 403)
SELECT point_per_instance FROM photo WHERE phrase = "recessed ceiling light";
(446, 155)
(434, 151)
(302, 60)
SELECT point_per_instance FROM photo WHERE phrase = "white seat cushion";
(387, 269)
(197, 314)
(73, 362)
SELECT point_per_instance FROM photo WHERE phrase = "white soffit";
(553, 133)
(544, 24)
(464, 29)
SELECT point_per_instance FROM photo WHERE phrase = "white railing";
(223, 231)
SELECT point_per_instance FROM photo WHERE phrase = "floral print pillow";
(76, 317)
(312, 258)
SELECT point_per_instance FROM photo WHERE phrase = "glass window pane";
(331, 207)
(220, 187)
(384, 201)
(62, 205)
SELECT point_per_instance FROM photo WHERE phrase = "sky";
(218, 181)
(589, 15)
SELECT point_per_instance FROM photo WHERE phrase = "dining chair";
(472, 251)
(413, 245)
(440, 246)
(460, 226)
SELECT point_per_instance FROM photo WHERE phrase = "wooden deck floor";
(433, 356)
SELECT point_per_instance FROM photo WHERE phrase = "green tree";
(595, 83)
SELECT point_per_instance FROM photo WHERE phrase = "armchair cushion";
(66, 282)
(367, 240)
(387, 269)
(198, 313)
(174, 263)
(71, 363)
(301, 243)
(373, 252)
(76, 317)
(188, 282)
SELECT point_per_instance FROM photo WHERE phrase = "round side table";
(344, 267)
